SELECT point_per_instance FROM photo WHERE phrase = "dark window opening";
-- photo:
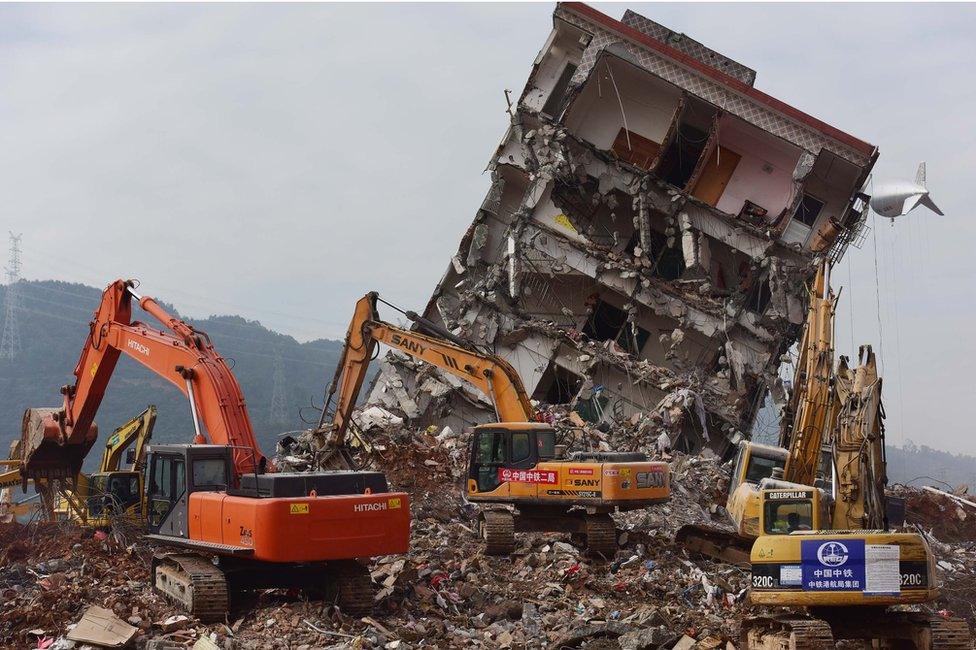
(808, 210)
(681, 157)
(609, 323)
(605, 322)
(555, 99)
(759, 296)
(669, 263)
(557, 386)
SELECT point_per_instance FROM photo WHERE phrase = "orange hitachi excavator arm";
(490, 374)
(57, 440)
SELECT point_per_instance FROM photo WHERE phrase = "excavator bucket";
(43, 454)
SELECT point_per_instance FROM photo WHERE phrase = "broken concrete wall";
(646, 242)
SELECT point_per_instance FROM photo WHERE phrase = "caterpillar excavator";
(830, 554)
(513, 466)
(224, 520)
(815, 509)
(111, 491)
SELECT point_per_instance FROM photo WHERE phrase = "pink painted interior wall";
(769, 189)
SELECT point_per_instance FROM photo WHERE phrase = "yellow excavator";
(111, 491)
(830, 553)
(515, 467)
(799, 461)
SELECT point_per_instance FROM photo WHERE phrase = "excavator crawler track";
(948, 634)
(194, 583)
(354, 588)
(498, 532)
(782, 632)
(601, 535)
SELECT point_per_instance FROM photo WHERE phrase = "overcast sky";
(279, 161)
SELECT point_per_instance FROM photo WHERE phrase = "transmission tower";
(10, 338)
(279, 401)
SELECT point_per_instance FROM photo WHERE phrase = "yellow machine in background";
(798, 463)
(110, 491)
(515, 464)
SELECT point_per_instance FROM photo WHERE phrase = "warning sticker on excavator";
(394, 504)
(298, 508)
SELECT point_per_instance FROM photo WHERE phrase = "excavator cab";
(497, 450)
(790, 510)
(113, 493)
(176, 472)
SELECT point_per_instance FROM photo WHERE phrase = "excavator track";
(194, 583)
(947, 634)
(714, 543)
(354, 588)
(601, 535)
(786, 633)
(498, 532)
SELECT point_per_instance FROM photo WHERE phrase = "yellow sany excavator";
(514, 468)
(796, 462)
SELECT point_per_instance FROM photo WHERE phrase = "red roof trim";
(586, 11)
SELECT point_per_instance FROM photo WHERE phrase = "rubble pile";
(445, 592)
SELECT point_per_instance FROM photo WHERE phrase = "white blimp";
(896, 198)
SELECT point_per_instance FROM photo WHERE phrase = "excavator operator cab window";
(546, 443)
(760, 468)
(521, 448)
(167, 482)
(495, 449)
(209, 474)
(785, 517)
(491, 453)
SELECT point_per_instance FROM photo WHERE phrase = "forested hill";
(53, 322)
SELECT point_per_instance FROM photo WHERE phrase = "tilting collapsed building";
(643, 251)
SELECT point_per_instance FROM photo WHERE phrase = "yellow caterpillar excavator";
(110, 491)
(513, 468)
(832, 553)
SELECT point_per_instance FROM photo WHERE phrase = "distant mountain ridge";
(53, 322)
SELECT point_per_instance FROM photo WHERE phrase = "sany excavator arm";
(813, 402)
(490, 374)
(56, 441)
(137, 430)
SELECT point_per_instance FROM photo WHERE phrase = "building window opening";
(607, 323)
(555, 98)
(808, 210)
(681, 157)
(557, 385)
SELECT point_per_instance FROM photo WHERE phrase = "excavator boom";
(492, 375)
(57, 440)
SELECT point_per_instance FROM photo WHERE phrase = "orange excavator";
(225, 521)
(514, 467)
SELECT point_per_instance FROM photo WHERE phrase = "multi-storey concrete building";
(646, 241)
